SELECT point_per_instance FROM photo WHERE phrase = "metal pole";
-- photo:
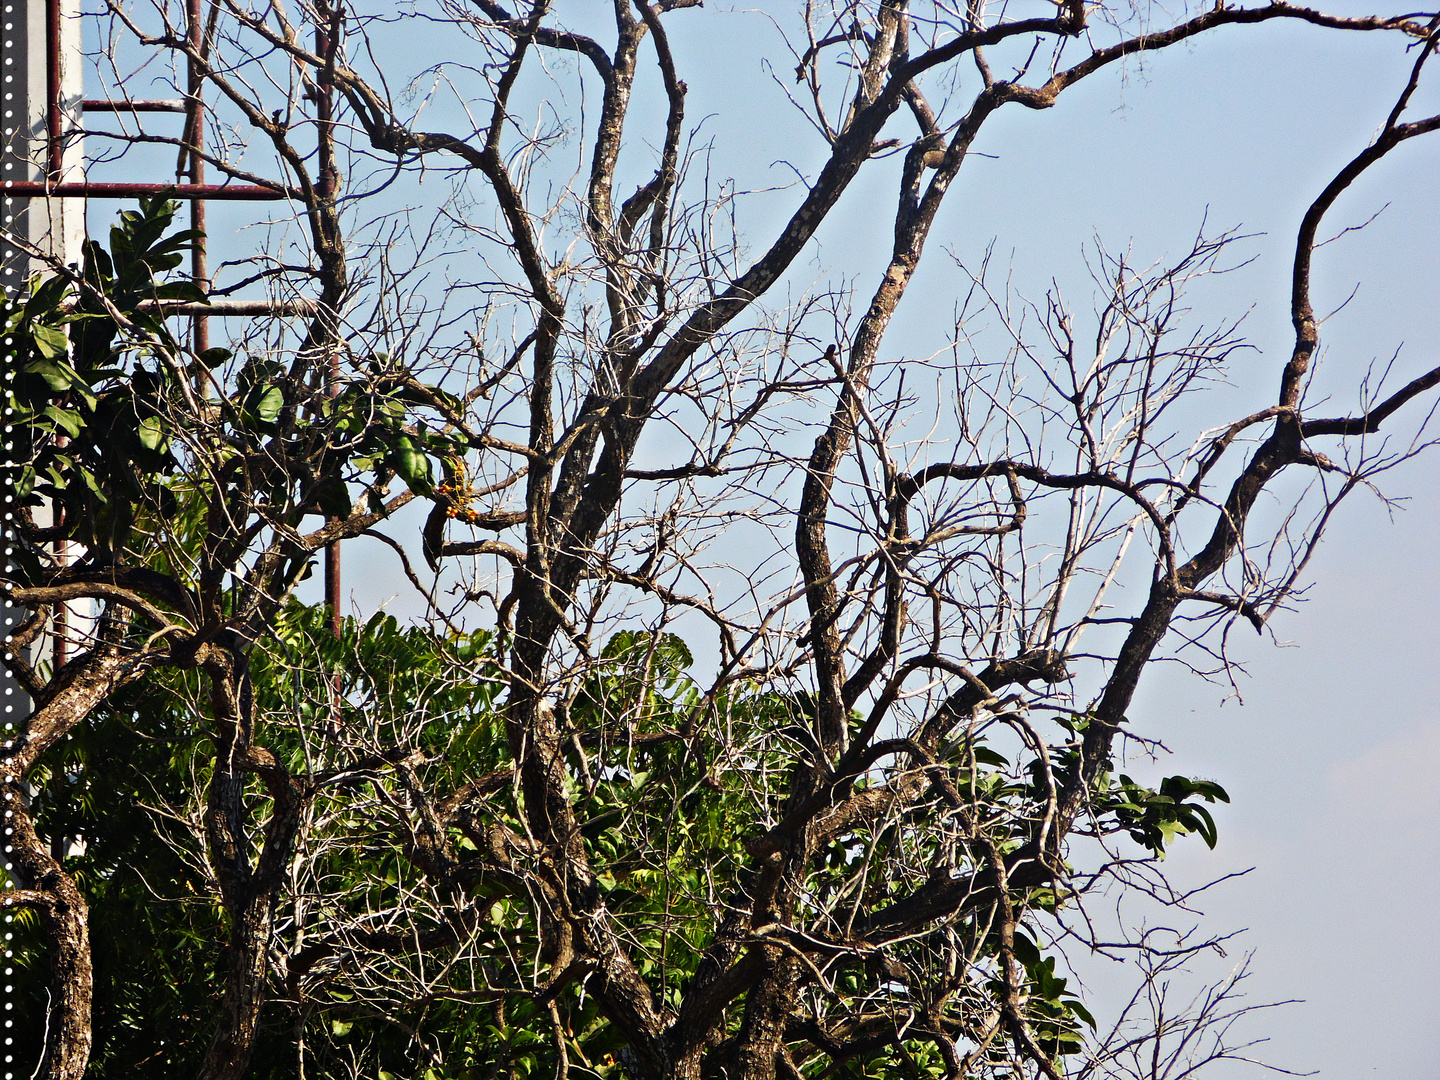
(54, 172)
(84, 190)
(54, 151)
(225, 308)
(60, 621)
(195, 136)
(325, 44)
(168, 105)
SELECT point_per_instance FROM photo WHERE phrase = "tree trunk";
(63, 919)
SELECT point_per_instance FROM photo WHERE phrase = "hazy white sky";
(1333, 759)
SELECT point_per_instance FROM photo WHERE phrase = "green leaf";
(152, 436)
(270, 404)
(334, 499)
(1181, 786)
(411, 464)
(47, 294)
(1080, 1011)
(1199, 820)
(52, 343)
(67, 419)
(185, 292)
(985, 756)
(341, 1028)
(1026, 951)
(58, 377)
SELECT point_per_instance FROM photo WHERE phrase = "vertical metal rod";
(79, 189)
(332, 585)
(195, 136)
(326, 37)
(60, 621)
(324, 106)
(54, 151)
(54, 173)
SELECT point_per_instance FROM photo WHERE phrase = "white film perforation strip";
(12, 112)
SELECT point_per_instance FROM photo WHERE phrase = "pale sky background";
(1332, 758)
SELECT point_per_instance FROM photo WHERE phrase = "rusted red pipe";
(326, 41)
(54, 150)
(136, 191)
(224, 308)
(195, 136)
(54, 169)
(169, 105)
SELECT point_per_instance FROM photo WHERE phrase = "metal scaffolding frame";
(59, 186)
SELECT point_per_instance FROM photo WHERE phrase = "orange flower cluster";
(459, 496)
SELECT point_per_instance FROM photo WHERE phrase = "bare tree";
(856, 836)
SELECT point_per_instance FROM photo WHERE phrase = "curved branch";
(548, 37)
(1370, 422)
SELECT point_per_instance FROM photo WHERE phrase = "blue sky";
(1332, 753)
(1332, 757)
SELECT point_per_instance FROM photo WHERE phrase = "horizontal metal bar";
(31, 188)
(175, 105)
(224, 308)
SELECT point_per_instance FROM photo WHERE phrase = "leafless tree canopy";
(923, 591)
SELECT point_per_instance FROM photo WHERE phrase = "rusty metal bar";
(60, 622)
(195, 136)
(327, 40)
(60, 619)
(224, 308)
(54, 172)
(54, 155)
(167, 105)
(85, 190)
